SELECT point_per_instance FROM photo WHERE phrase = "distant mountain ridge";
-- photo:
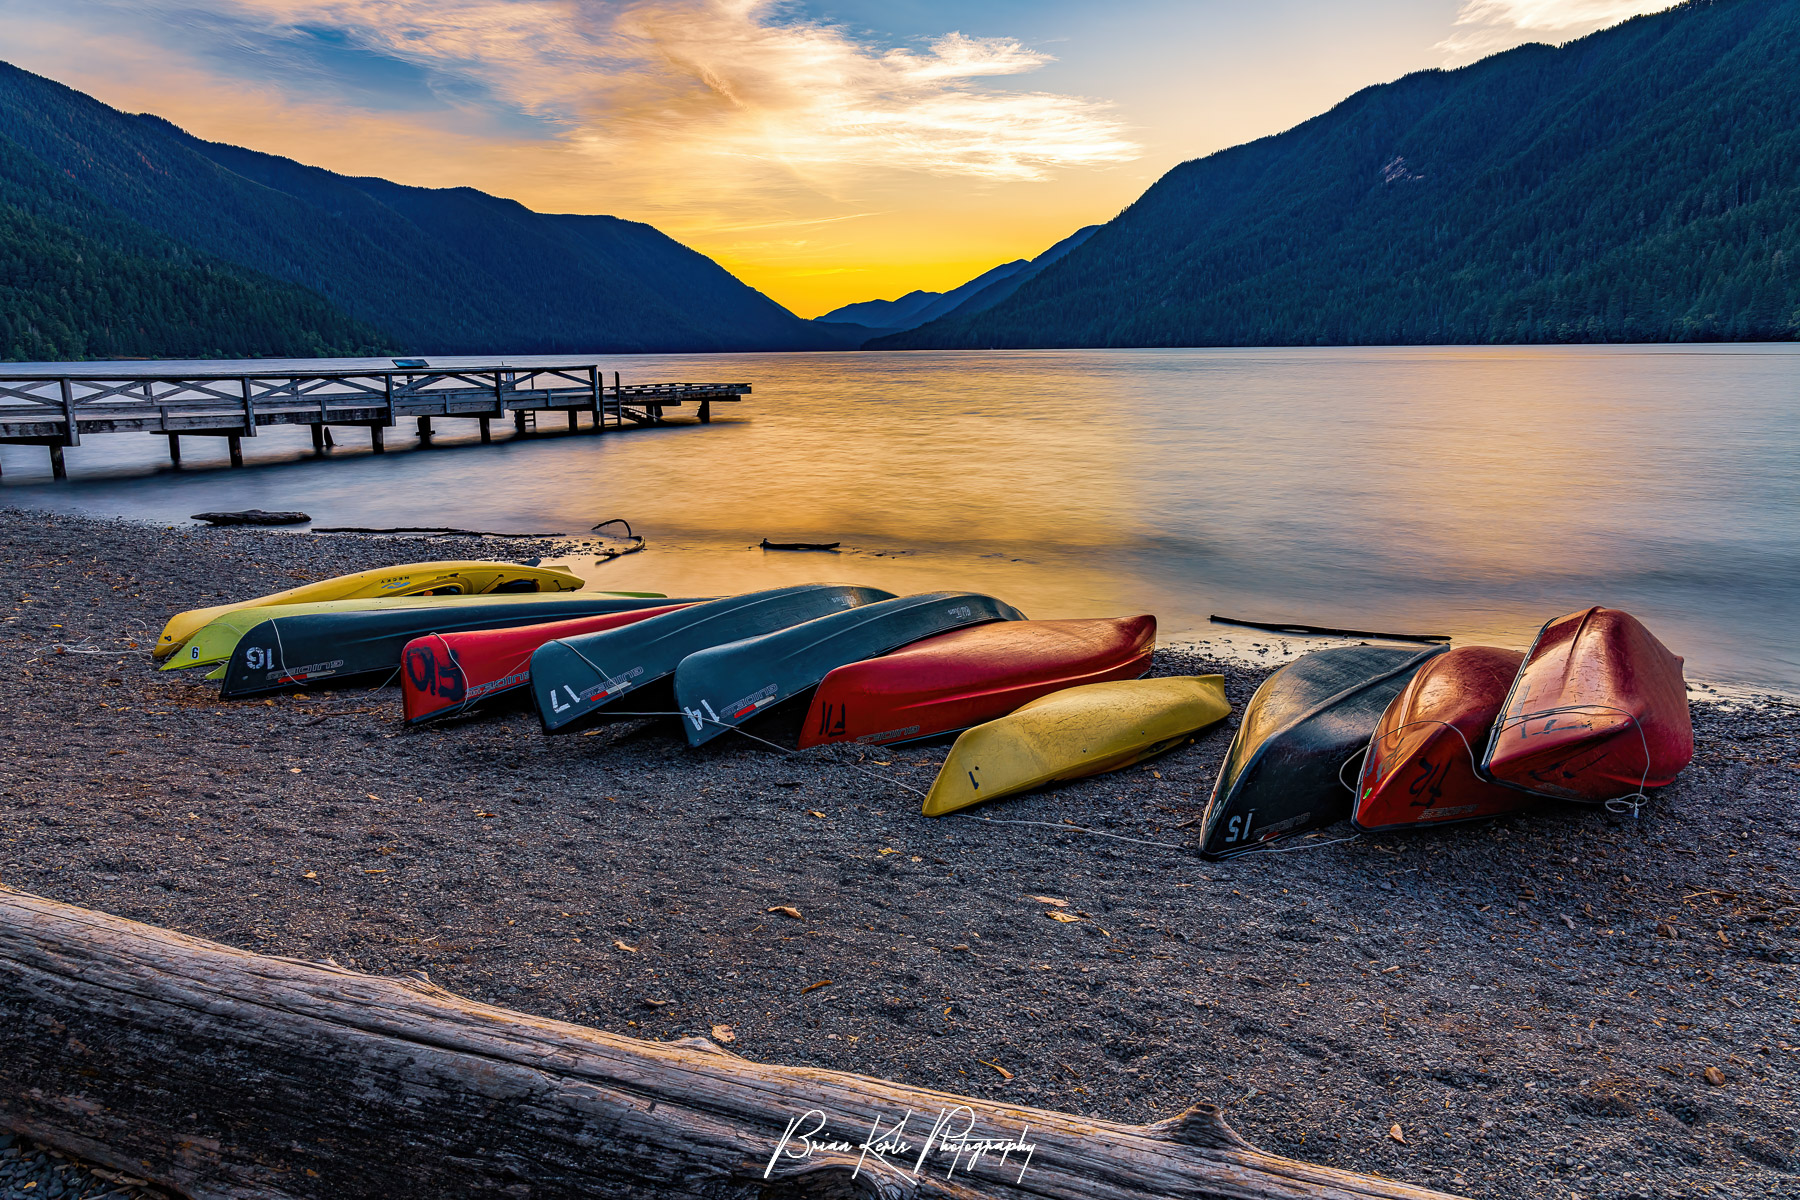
(977, 295)
(209, 249)
(1640, 184)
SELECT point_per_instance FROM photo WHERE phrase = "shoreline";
(1506, 993)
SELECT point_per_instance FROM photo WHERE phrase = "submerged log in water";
(225, 1073)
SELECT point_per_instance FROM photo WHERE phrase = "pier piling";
(175, 449)
(236, 446)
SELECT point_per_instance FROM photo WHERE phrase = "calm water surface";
(1476, 492)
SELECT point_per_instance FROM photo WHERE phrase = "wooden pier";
(59, 409)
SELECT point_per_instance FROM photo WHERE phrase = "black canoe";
(1285, 772)
(319, 647)
(575, 680)
(727, 685)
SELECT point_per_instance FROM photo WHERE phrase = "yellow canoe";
(213, 644)
(453, 578)
(1074, 733)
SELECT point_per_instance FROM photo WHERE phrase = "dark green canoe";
(1285, 772)
(574, 681)
(320, 647)
(727, 685)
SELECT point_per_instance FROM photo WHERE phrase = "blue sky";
(826, 152)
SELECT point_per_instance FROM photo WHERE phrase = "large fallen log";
(219, 1073)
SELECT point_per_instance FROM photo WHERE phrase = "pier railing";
(57, 410)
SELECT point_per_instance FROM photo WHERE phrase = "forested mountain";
(123, 235)
(1640, 184)
(979, 294)
(916, 308)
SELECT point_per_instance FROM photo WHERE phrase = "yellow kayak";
(1074, 733)
(212, 645)
(454, 578)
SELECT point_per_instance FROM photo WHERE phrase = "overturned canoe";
(1305, 724)
(574, 680)
(212, 645)
(725, 686)
(1599, 710)
(1075, 733)
(1421, 765)
(447, 673)
(452, 578)
(955, 680)
(318, 647)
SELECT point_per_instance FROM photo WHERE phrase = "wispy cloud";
(1483, 26)
(725, 79)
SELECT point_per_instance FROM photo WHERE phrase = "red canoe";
(448, 672)
(954, 680)
(1598, 711)
(1420, 769)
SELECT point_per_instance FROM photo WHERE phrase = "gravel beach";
(1567, 1003)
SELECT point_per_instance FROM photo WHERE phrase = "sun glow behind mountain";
(824, 154)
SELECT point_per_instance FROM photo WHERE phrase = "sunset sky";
(824, 152)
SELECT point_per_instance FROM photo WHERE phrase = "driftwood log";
(217, 1072)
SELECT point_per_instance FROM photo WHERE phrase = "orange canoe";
(1420, 768)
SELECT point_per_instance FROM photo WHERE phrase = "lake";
(1470, 491)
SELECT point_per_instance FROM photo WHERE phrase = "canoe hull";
(331, 647)
(447, 673)
(1307, 722)
(578, 681)
(723, 687)
(967, 677)
(1599, 710)
(1421, 765)
(212, 645)
(454, 577)
(1075, 733)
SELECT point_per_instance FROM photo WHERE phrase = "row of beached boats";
(1389, 736)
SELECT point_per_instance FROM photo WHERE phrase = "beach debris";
(1326, 630)
(1003, 1071)
(813, 987)
(786, 910)
(1395, 1133)
(1715, 1076)
(657, 1003)
(768, 545)
(622, 946)
(632, 542)
(1057, 915)
(252, 516)
(1050, 900)
(724, 1033)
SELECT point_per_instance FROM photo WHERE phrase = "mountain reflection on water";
(1472, 491)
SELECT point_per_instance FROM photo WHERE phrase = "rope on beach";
(919, 792)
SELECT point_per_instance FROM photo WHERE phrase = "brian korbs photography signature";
(952, 1136)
